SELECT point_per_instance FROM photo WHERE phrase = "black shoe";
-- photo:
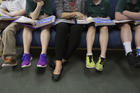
(51, 65)
(131, 59)
(57, 77)
(137, 62)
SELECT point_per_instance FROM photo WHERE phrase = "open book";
(7, 18)
(4, 17)
(35, 23)
(96, 21)
(2, 14)
(122, 21)
(103, 22)
(135, 22)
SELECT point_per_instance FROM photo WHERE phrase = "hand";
(79, 15)
(125, 12)
(41, 3)
(10, 14)
(43, 16)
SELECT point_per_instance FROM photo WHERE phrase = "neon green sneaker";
(90, 62)
(100, 64)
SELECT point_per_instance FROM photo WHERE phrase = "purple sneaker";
(26, 61)
(42, 61)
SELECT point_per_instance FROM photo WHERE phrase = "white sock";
(89, 54)
(102, 56)
(127, 47)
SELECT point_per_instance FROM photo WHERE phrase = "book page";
(137, 22)
(122, 21)
(73, 21)
(26, 20)
(2, 14)
(44, 22)
(103, 22)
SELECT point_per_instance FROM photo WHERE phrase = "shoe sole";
(90, 67)
(8, 65)
(25, 66)
(40, 66)
(99, 70)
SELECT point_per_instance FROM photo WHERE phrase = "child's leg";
(27, 39)
(45, 37)
(137, 39)
(103, 40)
(90, 39)
(103, 45)
(126, 37)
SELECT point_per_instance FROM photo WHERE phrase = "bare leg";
(45, 37)
(90, 38)
(103, 40)
(27, 39)
(126, 34)
(137, 36)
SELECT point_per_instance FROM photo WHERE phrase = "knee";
(137, 28)
(47, 28)
(45, 31)
(27, 29)
(7, 32)
(91, 29)
(104, 29)
(125, 27)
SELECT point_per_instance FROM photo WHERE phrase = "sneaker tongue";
(102, 59)
(90, 58)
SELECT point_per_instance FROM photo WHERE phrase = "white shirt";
(13, 5)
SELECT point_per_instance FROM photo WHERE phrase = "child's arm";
(35, 14)
(120, 16)
(17, 13)
(4, 11)
(119, 9)
(132, 15)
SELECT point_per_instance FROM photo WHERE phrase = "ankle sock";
(127, 47)
(89, 54)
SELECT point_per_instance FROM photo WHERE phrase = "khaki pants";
(8, 46)
(3, 25)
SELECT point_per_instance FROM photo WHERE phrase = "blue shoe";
(26, 61)
(42, 63)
